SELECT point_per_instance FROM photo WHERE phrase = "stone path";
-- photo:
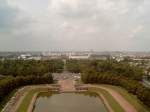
(67, 85)
(119, 98)
(16, 100)
(106, 103)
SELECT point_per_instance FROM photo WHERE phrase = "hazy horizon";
(75, 25)
(125, 51)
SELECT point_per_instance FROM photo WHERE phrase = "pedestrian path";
(66, 85)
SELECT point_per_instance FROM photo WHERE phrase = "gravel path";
(106, 103)
(16, 100)
(31, 106)
(120, 99)
(67, 85)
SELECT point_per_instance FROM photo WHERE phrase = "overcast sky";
(101, 25)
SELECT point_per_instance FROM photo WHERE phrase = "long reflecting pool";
(69, 102)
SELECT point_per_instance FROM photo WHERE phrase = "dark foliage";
(10, 83)
(29, 67)
(119, 74)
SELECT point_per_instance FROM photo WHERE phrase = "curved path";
(106, 103)
(68, 85)
(119, 98)
(16, 100)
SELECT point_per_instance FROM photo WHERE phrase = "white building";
(78, 57)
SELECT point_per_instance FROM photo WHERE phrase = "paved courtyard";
(67, 85)
(66, 75)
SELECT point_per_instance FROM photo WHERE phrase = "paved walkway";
(16, 100)
(106, 103)
(67, 85)
(119, 98)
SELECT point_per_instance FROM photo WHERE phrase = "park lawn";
(130, 98)
(112, 102)
(27, 99)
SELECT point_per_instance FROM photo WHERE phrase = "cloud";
(7, 16)
(74, 24)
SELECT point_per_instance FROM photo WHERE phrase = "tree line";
(119, 74)
(76, 66)
(8, 84)
(106, 66)
(29, 67)
(18, 73)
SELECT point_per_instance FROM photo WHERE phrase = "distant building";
(24, 56)
(51, 55)
(99, 57)
(79, 56)
(35, 58)
(29, 57)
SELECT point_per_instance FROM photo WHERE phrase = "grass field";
(130, 98)
(27, 99)
(112, 102)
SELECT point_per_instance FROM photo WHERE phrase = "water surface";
(69, 102)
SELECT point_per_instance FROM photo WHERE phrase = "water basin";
(69, 102)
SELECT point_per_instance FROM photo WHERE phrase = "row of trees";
(76, 66)
(73, 66)
(29, 67)
(133, 86)
(107, 66)
(119, 74)
(18, 73)
(8, 84)
(117, 68)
